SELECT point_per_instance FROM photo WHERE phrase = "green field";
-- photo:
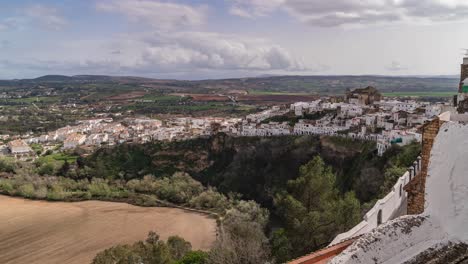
(420, 94)
(29, 100)
(276, 93)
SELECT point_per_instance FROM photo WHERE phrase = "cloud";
(396, 66)
(158, 14)
(158, 54)
(46, 16)
(332, 13)
(254, 8)
(207, 50)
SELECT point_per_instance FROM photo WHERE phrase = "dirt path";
(45, 232)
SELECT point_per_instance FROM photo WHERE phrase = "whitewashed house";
(74, 140)
(18, 146)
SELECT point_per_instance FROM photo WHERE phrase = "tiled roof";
(17, 143)
(324, 255)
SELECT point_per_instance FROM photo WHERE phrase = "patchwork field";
(45, 232)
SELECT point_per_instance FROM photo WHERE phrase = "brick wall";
(463, 76)
(416, 188)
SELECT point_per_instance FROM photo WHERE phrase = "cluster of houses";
(362, 114)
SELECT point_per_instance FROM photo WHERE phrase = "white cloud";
(157, 53)
(214, 51)
(158, 14)
(254, 8)
(46, 16)
(357, 12)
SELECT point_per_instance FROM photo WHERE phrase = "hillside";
(303, 84)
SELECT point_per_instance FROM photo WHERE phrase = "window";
(400, 189)
(379, 218)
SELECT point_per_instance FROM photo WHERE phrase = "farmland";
(45, 232)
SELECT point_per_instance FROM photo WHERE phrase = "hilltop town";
(361, 113)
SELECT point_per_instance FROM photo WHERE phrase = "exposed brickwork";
(416, 188)
(463, 76)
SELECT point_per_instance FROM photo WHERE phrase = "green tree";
(194, 257)
(391, 176)
(313, 209)
(151, 251)
(178, 247)
(281, 248)
(63, 171)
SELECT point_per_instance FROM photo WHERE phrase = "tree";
(178, 247)
(281, 246)
(242, 239)
(63, 171)
(194, 257)
(313, 209)
(151, 251)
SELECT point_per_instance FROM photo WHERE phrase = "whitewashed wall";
(390, 205)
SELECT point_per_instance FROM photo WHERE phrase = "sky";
(202, 39)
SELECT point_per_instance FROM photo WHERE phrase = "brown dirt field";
(277, 98)
(46, 232)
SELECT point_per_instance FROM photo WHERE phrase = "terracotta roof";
(17, 143)
(324, 255)
(75, 137)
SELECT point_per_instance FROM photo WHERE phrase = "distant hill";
(53, 78)
(292, 84)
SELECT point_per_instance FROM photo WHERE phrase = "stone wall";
(416, 188)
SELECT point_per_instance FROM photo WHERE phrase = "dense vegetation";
(310, 188)
(176, 250)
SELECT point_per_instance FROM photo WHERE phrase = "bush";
(41, 192)
(56, 193)
(178, 247)
(210, 199)
(46, 169)
(194, 257)
(180, 188)
(99, 188)
(6, 166)
(6, 186)
(27, 190)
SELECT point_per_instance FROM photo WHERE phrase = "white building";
(433, 110)
(74, 140)
(19, 147)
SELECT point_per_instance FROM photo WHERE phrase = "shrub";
(99, 188)
(27, 190)
(210, 199)
(46, 169)
(180, 188)
(6, 166)
(6, 186)
(178, 247)
(41, 192)
(194, 257)
(56, 193)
